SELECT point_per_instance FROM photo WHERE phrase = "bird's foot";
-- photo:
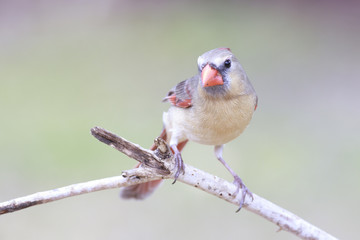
(245, 191)
(179, 165)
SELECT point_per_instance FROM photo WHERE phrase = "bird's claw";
(245, 191)
(179, 165)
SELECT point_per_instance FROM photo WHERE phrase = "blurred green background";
(66, 66)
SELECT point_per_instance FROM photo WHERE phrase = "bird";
(212, 108)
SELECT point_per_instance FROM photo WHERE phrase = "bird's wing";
(181, 94)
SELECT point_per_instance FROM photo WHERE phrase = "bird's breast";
(213, 122)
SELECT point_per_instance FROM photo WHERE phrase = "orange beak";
(211, 77)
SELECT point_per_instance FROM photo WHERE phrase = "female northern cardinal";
(212, 108)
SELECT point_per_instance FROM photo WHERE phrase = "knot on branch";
(162, 150)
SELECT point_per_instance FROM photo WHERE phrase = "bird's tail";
(143, 190)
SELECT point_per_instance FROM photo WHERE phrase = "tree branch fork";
(159, 164)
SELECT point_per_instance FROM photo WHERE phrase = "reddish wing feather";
(180, 95)
(179, 102)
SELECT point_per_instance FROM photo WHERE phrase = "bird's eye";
(227, 63)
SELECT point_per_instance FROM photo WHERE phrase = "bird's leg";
(179, 163)
(237, 180)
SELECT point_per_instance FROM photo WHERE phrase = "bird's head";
(219, 71)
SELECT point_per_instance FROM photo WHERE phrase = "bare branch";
(284, 219)
(130, 177)
(158, 164)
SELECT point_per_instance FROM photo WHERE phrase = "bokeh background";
(66, 66)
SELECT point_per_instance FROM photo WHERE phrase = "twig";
(158, 164)
(130, 177)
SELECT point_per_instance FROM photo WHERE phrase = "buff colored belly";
(212, 124)
(218, 127)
